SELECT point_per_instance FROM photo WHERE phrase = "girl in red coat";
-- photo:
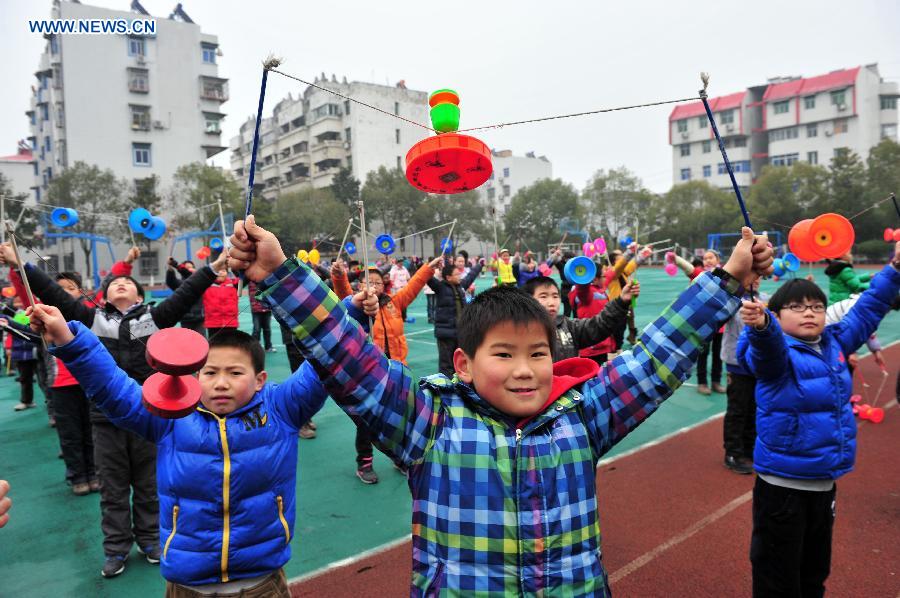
(220, 303)
(588, 301)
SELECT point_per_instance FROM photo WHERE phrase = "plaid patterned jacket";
(497, 511)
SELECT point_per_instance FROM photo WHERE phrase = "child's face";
(122, 289)
(453, 278)
(17, 302)
(376, 282)
(505, 256)
(805, 325)
(512, 369)
(70, 287)
(221, 276)
(227, 381)
(710, 260)
(460, 262)
(548, 296)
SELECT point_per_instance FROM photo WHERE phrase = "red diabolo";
(176, 353)
(448, 163)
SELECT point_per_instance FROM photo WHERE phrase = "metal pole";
(344, 240)
(222, 223)
(365, 244)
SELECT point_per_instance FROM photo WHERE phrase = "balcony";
(214, 88)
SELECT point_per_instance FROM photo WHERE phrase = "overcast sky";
(512, 60)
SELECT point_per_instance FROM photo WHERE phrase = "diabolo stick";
(15, 247)
(344, 240)
(365, 244)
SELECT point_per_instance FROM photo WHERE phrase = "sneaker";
(24, 406)
(52, 422)
(718, 388)
(366, 474)
(151, 553)
(737, 465)
(306, 432)
(703, 389)
(94, 484)
(114, 565)
(271, 350)
(82, 489)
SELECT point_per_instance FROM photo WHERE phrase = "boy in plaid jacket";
(501, 457)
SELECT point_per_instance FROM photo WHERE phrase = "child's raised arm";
(632, 385)
(114, 392)
(761, 348)
(354, 371)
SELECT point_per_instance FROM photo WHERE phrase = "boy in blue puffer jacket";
(806, 433)
(226, 473)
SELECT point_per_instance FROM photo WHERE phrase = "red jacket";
(589, 300)
(220, 304)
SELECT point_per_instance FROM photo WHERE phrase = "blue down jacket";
(226, 484)
(804, 422)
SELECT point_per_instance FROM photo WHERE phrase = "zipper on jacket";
(172, 534)
(518, 435)
(287, 530)
(226, 492)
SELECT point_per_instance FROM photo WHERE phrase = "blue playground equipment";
(714, 240)
(213, 232)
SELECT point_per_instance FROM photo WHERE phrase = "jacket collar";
(254, 402)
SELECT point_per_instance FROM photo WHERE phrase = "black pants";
(446, 348)
(430, 300)
(295, 357)
(739, 427)
(564, 299)
(363, 442)
(716, 345)
(790, 549)
(128, 502)
(26, 379)
(73, 425)
(195, 325)
(262, 322)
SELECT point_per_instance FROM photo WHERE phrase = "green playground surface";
(52, 545)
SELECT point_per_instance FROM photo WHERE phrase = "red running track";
(675, 522)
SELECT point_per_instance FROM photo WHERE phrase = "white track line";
(350, 560)
(678, 539)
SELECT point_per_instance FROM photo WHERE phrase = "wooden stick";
(365, 244)
(15, 247)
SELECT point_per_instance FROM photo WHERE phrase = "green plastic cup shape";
(445, 118)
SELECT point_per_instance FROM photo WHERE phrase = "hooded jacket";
(446, 298)
(843, 281)
(804, 422)
(573, 335)
(500, 507)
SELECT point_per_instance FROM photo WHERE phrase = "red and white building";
(808, 119)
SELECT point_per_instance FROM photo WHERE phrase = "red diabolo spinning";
(176, 353)
(448, 163)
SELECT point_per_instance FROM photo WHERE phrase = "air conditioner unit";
(158, 124)
(841, 107)
(828, 133)
(729, 128)
(346, 145)
(684, 135)
(140, 60)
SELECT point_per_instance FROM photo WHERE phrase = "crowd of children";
(500, 447)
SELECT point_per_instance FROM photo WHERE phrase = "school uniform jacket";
(499, 508)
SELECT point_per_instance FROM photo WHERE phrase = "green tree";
(145, 193)
(98, 196)
(345, 187)
(847, 185)
(391, 201)
(882, 179)
(195, 190)
(466, 208)
(616, 202)
(784, 195)
(17, 211)
(692, 210)
(307, 215)
(535, 211)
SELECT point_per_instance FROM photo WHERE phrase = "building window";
(54, 45)
(506, 172)
(685, 149)
(213, 89)
(397, 108)
(838, 98)
(840, 126)
(682, 125)
(349, 162)
(506, 191)
(840, 151)
(738, 166)
(888, 103)
(35, 168)
(707, 171)
(707, 147)
(140, 154)
(739, 142)
(889, 131)
(47, 143)
(685, 174)
(45, 112)
(397, 135)
(136, 46)
(812, 157)
(213, 123)
(782, 134)
(491, 192)
(208, 53)
(148, 263)
(726, 117)
(140, 118)
(347, 107)
(784, 160)
(812, 130)
(348, 136)
(138, 80)
(702, 122)
(782, 107)
(398, 163)
(809, 102)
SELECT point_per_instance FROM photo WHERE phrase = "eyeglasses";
(816, 308)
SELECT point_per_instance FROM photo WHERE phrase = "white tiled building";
(138, 105)
(308, 139)
(787, 120)
(512, 173)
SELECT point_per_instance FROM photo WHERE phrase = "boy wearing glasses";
(806, 434)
